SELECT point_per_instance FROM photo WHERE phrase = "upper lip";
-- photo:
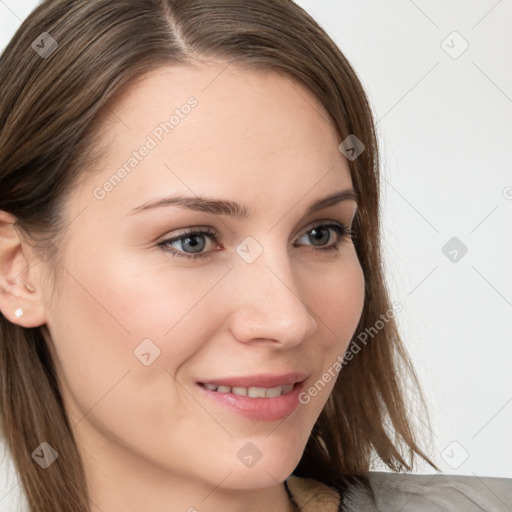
(258, 381)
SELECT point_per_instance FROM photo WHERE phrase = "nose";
(270, 308)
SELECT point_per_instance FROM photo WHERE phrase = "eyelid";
(320, 222)
(343, 231)
(204, 231)
(208, 230)
(187, 231)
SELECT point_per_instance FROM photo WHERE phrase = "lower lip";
(261, 409)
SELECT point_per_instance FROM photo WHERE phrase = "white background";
(445, 129)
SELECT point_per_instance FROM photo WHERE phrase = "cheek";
(337, 308)
(337, 301)
(143, 323)
(95, 328)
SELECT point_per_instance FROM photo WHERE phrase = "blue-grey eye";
(192, 244)
(320, 234)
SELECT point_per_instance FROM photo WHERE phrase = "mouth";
(260, 398)
(253, 392)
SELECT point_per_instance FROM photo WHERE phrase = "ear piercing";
(19, 312)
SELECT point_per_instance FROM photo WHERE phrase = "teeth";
(274, 391)
(252, 391)
(256, 392)
(287, 388)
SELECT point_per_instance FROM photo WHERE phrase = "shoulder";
(312, 495)
(407, 492)
(435, 493)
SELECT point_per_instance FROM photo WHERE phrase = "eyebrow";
(233, 209)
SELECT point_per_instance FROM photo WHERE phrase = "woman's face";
(137, 324)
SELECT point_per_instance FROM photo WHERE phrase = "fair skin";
(150, 439)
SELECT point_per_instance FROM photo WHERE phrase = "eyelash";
(342, 230)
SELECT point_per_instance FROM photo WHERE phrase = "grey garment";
(358, 498)
(406, 492)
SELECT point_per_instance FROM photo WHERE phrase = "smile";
(253, 392)
(254, 402)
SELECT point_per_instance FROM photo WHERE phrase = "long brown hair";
(48, 103)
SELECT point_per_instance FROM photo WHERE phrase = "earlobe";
(20, 302)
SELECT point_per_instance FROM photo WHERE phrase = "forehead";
(216, 128)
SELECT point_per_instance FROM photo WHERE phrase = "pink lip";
(259, 409)
(258, 381)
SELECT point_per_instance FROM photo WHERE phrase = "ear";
(20, 291)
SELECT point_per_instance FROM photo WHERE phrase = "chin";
(269, 470)
(255, 478)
